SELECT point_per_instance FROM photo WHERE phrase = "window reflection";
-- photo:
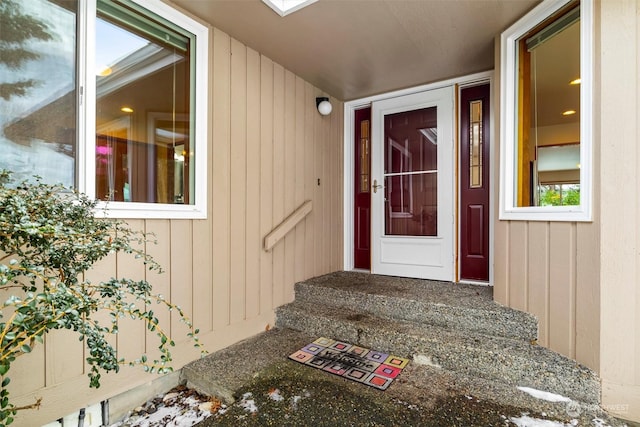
(38, 105)
(143, 151)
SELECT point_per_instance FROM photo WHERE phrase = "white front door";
(412, 197)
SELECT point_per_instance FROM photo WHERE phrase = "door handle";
(376, 186)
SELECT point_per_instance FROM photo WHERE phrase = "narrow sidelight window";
(475, 138)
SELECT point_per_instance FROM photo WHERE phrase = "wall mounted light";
(323, 105)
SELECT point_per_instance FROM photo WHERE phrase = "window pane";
(548, 137)
(143, 112)
(38, 105)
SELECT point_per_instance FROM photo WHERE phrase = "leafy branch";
(50, 238)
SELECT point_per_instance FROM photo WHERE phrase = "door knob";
(376, 186)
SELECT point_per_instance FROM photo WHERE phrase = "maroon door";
(474, 183)
(362, 200)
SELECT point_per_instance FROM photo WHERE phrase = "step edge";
(571, 365)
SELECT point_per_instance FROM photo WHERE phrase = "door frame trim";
(348, 159)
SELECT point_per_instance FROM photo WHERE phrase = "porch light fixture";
(323, 105)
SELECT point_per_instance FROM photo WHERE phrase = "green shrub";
(50, 236)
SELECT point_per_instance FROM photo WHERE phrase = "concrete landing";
(235, 370)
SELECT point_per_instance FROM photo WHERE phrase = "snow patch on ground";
(296, 399)
(180, 407)
(175, 411)
(248, 403)
(598, 422)
(544, 395)
(275, 395)
(423, 359)
(527, 421)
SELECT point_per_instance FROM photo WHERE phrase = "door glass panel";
(412, 206)
(411, 173)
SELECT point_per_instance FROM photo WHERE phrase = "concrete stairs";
(453, 328)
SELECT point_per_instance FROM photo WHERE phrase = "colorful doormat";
(363, 365)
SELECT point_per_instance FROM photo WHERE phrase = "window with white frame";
(546, 115)
(109, 97)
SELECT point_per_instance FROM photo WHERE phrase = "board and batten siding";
(582, 280)
(618, 43)
(269, 152)
(550, 269)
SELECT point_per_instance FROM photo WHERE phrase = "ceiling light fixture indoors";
(568, 112)
(323, 105)
(104, 71)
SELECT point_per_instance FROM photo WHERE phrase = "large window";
(108, 96)
(546, 115)
(38, 80)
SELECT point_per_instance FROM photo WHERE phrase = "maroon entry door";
(474, 183)
(362, 190)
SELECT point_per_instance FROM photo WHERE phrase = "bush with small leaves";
(50, 236)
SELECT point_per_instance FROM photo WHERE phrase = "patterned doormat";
(363, 365)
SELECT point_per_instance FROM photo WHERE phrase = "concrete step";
(459, 307)
(510, 361)
(224, 372)
(228, 371)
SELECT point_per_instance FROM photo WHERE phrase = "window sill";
(129, 210)
(544, 213)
